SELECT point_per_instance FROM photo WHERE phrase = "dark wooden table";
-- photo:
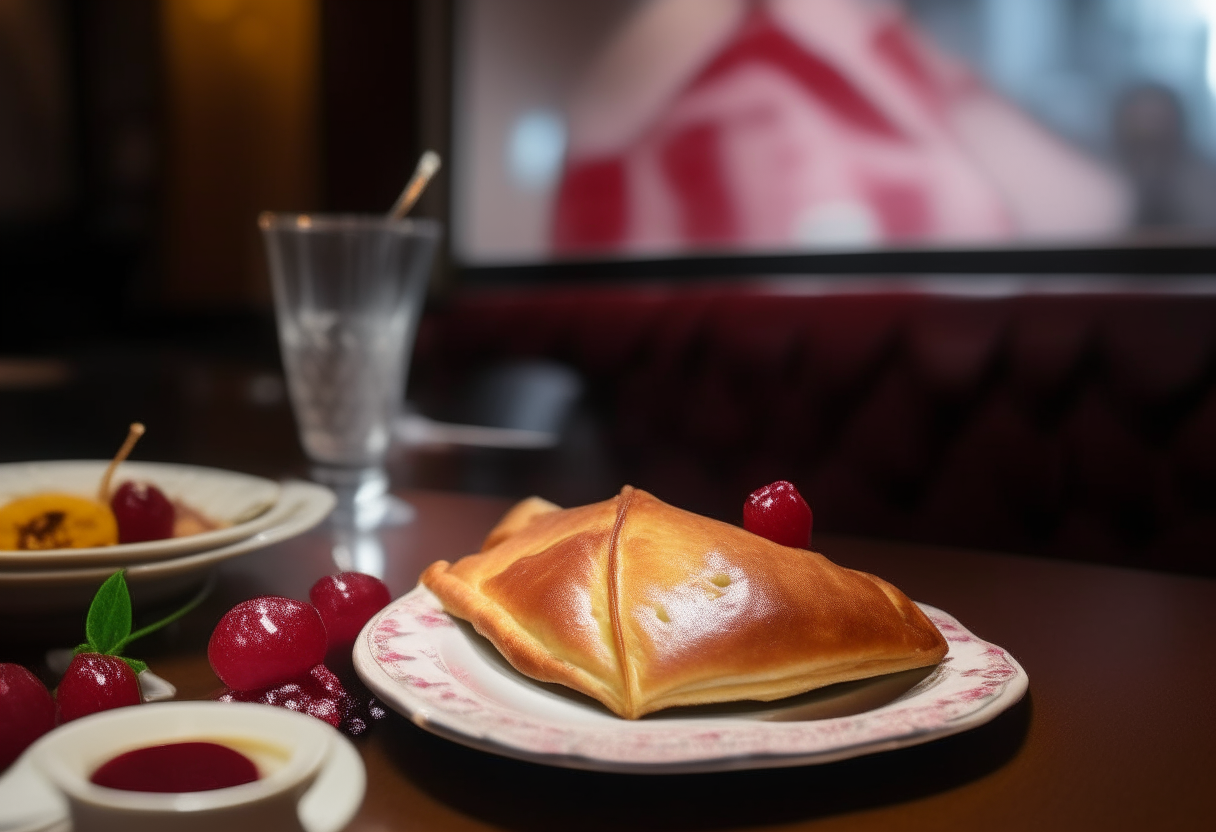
(1118, 730)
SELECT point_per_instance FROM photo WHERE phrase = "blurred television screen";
(654, 128)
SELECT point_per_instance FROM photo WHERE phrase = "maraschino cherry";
(778, 512)
(143, 512)
(95, 682)
(26, 711)
(266, 641)
(346, 602)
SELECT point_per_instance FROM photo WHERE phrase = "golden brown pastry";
(643, 606)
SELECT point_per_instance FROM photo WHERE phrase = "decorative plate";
(451, 681)
(241, 502)
(301, 506)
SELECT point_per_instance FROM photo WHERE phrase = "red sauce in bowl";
(177, 767)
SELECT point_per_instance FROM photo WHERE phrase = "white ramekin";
(289, 748)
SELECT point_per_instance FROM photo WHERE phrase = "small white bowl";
(244, 504)
(290, 749)
(59, 592)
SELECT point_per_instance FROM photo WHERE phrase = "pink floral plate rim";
(430, 668)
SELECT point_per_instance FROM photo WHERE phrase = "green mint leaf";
(135, 664)
(82, 648)
(109, 620)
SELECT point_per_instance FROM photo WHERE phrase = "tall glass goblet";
(348, 293)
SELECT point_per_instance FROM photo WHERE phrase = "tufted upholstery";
(1070, 425)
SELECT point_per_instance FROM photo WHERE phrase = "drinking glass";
(348, 293)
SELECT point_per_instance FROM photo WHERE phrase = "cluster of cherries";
(92, 683)
(274, 650)
(279, 651)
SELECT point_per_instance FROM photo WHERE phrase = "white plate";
(301, 506)
(243, 502)
(28, 803)
(452, 682)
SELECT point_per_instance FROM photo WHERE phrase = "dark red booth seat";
(1074, 425)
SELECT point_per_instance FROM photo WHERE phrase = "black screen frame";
(1183, 259)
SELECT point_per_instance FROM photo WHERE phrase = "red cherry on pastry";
(778, 512)
(346, 602)
(265, 641)
(93, 683)
(26, 711)
(143, 512)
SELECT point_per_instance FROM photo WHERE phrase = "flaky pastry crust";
(645, 606)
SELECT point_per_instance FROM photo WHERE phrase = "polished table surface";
(1118, 730)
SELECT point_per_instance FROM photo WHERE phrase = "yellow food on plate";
(56, 521)
(645, 606)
